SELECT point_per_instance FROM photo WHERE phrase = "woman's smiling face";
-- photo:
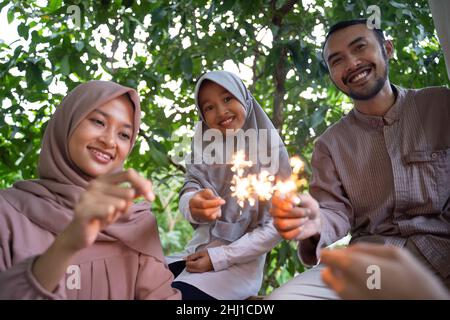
(102, 140)
(220, 109)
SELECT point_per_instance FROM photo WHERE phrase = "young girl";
(75, 233)
(225, 258)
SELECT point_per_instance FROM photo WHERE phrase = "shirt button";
(434, 155)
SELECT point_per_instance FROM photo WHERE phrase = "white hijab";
(234, 221)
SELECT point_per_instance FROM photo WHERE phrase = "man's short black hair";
(347, 23)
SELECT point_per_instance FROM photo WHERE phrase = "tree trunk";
(279, 78)
(279, 73)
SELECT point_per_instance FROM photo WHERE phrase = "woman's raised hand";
(106, 199)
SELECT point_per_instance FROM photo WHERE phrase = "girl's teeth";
(227, 121)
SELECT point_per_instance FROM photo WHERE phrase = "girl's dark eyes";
(210, 107)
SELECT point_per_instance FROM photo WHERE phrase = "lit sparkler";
(262, 186)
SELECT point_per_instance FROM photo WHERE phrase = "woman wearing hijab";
(75, 233)
(225, 258)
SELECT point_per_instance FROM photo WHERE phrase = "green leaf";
(274, 29)
(33, 75)
(23, 29)
(158, 15)
(54, 5)
(35, 37)
(2, 122)
(79, 46)
(317, 118)
(10, 14)
(158, 157)
(65, 65)
(126, 27)
(225, 6)
(298, 56)
(77, 66)
(16, 54)
(350, 7)
(186, 66)
(3, 4)
(398, 5)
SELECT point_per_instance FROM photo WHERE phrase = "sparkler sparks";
(262, 186)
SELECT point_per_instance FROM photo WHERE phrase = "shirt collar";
(391, 116)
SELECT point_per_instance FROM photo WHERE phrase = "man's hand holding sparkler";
(296, 222)
(205, 206)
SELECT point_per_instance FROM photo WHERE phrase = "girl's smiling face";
(220, 109)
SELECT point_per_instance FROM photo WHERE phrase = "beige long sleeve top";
(387, 176)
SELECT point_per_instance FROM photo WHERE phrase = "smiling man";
(382, 173)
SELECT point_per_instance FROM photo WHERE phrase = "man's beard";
(373, 91)
(376, 88)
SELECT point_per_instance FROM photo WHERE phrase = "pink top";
(106, 270)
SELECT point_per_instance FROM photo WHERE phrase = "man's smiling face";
(357, 61)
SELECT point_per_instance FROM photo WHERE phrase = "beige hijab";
(49, 201)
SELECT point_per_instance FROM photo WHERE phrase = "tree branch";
(279, 14)
(176, 165)
(287, 7)
(254, 71)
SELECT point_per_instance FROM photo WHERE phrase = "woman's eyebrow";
(107, 115)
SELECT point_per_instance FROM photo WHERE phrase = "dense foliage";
(161, 47)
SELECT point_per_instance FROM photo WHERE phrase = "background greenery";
(161, 47)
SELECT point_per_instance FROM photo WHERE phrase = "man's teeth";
(101, 154)
(359, 76)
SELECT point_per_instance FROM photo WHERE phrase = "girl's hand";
(103, 202)
(199, 262)
(205, 206)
